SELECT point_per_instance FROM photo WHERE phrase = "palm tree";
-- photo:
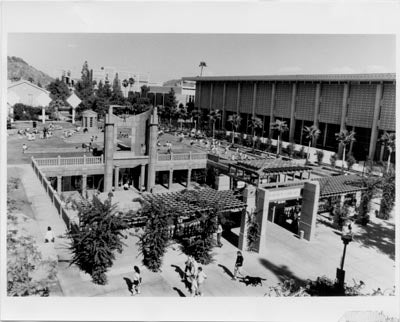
(345, 137)
(235, 120)
(213, 116)
(312, 134)
(281, 127)
(131, 82)
(196, 115)
(255, 123)
(389, 141)
(125, 84)
(202, 65)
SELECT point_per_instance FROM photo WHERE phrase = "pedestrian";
(49, 237)
(24, 148)
(137, 281)
(219, 234)
(238, 265)
(201, 277)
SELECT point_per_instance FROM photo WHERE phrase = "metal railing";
(182, 156)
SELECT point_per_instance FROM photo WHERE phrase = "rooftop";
(333, 186)
(271, 165)
(311, 77)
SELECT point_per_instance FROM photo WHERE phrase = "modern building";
(364, 103)
(184, 92)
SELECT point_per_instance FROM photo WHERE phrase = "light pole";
(347, 237)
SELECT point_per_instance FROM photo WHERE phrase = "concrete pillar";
(309, 209)
(170, 178)
(238, 98)
(189, 175)
(84, 184)
(211, 94)
(59, 185)
(342, 197)
(316, 105)
(292, 112)
(142, 176)
(358, 198)
(116, 177)
(344, 106)
(152, 143)
(223, 107)
(43, 115)
(73, 115)
(262, 204)
(253, 109)
(272, 117)
(375, 121)
(108, 152)
(249, 198)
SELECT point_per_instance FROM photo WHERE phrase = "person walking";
(137, 281)
(219, 234)
(200, 278)
(24, 148)
(238, 265)
(49, 237)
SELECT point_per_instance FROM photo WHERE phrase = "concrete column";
(375, 121)
(346, 90)
(43, 115)
(116, 177)
(358, 198)
(189, 174)
(249, 198)
(151, 169)
(223, 107)
(84, 184)
(262, 204)
(253, 109)
(199, 105)
(142, 175)
(316, 105)
(211, 94)
(73, 115)
(59, 185)
(238, 98)
(342, 197)
(309, 209)
(292, 112)
(170, 178)
(108, 152)
(272, 117)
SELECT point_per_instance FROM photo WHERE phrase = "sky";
(171, 56)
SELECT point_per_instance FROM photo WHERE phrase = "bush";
(302, 152)
(388, 194)
(290, 149)
(320, 156)
(26, 113)
(350, 161)
(253, 232)
(333, 159)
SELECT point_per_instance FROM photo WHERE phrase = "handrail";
(68, 161)
(182, 156)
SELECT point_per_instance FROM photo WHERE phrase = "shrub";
(257, 144)
(290, 149)
(302, 152)
(350, 161)
(388, 194)
(253, 232)
(269, 144)
(320, 156)
(333, 158)
(26, 113)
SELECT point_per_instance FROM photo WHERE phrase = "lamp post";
(347, 237)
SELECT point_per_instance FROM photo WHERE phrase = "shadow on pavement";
(182, 276)
(226, 270)
(282, 271)
(129, 283)
(231, 237)
(181, 294)
(378, 236)
(252, 280)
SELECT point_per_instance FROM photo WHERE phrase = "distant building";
(27, 93)
(184, 92)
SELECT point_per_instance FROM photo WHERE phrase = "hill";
(17, 69)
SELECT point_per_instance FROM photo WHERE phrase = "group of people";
(194, 276)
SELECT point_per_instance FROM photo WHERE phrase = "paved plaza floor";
(370, 257)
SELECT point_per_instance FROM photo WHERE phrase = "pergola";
(265, 170)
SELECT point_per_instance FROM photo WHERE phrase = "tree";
(370, 185)
(213, 116)
(235, 120)
(196, 115)
(255, 123)
(312, 134)
(202, 65)
(125, 84)
(170, 104)
(144, 90)
(345, 137)
(388, 194)
(154, 239)
(58, 90)
(117, 97)
(131, 83)
(84, 88)
(389, 142)
(280, 127)
(98, 236)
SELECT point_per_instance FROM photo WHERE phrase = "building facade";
(364, 103)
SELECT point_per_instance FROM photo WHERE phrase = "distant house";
(27, 93)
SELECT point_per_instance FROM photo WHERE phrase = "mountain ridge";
(18, 68)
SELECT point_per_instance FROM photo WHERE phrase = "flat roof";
(310, 77)
(272, 165)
